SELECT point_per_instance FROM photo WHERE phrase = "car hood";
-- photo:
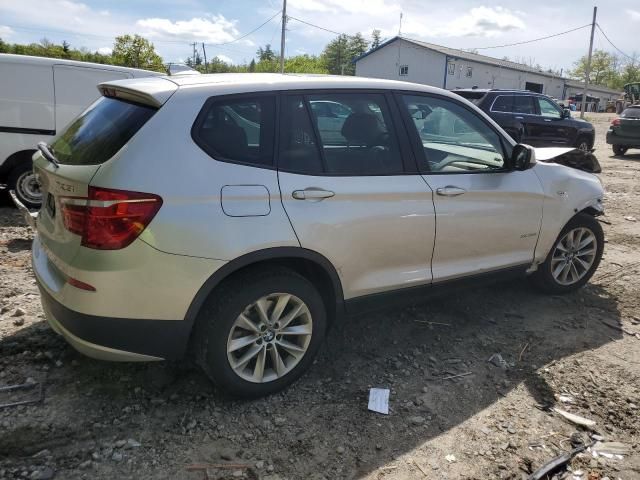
(570, 157)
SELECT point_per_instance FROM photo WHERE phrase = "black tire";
(543, 278)
(583, 143)
(619, 150)
(20, 180)
(227, 302)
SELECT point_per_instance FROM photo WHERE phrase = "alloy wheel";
(269, 338)
(573, 256)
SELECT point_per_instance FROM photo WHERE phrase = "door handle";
(547, 119)
(450, 191)
(312, 194)
(519, 118)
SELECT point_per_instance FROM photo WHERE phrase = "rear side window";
(524, 104)
(503, 103)
(238, 130)
(347, 134)
(98, 133)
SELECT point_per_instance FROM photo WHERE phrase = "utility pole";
(193, 59)
(204, 52)
(588, 68)
(284, 28)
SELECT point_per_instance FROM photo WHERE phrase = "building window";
(469, 72)
(404, 70)
(451, 68)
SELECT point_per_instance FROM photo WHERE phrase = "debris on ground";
(555, 464)
(576, 419)
(497, 360)
(379, 400)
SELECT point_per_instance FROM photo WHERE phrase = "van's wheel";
(573, 258)
(23, 180)
(583, 144)
(619, 150)
(260, 331)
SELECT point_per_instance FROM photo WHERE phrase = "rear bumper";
(614, 139)
(117, 339)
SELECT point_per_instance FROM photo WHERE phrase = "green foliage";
(136, 51)
(266, 54)
(47, 49)
(608, 69)
(375, 38)
(339, 53)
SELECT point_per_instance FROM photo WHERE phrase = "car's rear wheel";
(25, 183)
(619, 150)
(574, 257)
(260, 331)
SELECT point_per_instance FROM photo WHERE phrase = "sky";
(172, 25)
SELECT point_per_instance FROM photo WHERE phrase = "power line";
(531, 41)
(249, 33)
(605, 36)
(313, 25)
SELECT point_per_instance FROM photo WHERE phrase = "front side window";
(454, 139)
(548, 109)
(238, 130)
(524, 104)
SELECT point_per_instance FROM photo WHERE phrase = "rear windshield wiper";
(46, 153)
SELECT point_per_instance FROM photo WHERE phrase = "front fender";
(567, 191)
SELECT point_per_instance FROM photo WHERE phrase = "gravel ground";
(580, 353)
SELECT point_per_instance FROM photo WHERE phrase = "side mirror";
(566, 113)
(523, 157)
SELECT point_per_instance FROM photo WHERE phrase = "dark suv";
(532, 118)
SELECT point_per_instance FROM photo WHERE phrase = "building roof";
(456, 53)
(592, 88)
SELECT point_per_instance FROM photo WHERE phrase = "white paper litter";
(379, 400)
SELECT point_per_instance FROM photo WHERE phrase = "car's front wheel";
(260, 331)
(619, 150)
(24, 182)
(583, 144)
(574, 257)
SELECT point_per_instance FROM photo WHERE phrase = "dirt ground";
(579, 353)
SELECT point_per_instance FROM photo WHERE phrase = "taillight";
(615, 122)
(109, 219)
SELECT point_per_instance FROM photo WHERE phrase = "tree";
(252, 66)
(375, 38)
(602, 69)
(305, 64)
(136, 51)
(339, 53)
(266, 54)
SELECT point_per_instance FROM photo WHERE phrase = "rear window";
(100, 131)
(474, 97)
(631, 113)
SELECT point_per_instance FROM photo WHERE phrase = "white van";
(38, 98)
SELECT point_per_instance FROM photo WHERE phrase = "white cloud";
(634, 14)
(5, 31)
(224, 58)
(104, 13)
(212, 29)
(105, 50)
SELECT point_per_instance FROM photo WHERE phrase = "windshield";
(100, 131)
(631, 113)
(472, 96)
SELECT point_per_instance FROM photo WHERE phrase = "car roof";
(498, 90)
(158, 89)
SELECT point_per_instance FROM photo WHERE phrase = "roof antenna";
(400, 27)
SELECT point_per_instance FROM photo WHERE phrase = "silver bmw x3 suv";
(236, 217)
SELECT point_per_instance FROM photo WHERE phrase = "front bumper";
(117, 339)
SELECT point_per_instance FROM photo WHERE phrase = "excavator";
(631, 96)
